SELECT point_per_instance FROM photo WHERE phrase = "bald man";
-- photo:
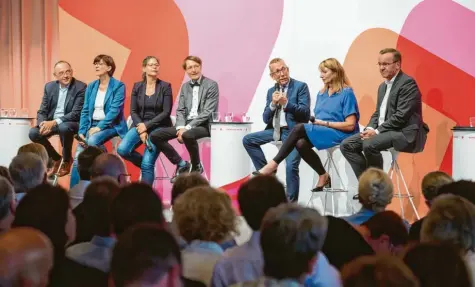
(110, 165)
(26, 258)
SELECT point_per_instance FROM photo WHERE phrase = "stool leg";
(409, 194)
(333, 203)
(325, 205)
(397, 170)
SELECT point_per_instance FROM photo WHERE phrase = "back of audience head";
(204, 213)
(437, 265)
(257, 196)
(386, 232)
(37, 149)
(146, 255)
(5, 173)
(375, 189)
(432, 182)
(7, 204)
(85, 161)
(186, 181)
(27, 171)
(97, 203)
(47, 209)
(26, 258)
(450, 220)
(291, 237)
(463, 188)
(378, 270)
(136, 203)
(110, 165)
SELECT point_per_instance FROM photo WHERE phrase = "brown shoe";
(55, 168)
(65, 169)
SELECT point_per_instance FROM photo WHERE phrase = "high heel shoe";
(327, 184)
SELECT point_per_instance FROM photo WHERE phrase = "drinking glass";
(4, 113)
(245, 118)
(228, 117)
(24, 113)
(12, 113)
(216, 116)
(472, 122)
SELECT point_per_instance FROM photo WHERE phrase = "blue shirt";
(59, 112)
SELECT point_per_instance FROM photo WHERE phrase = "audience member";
(47, 209)
(7, 204)
(147, 255)
(431, 183)
(204, 217)
(110, 165)
(344, 243)
(463, 188)
(37, 149)
(378, 271)
(136, 203)
(291, 238)
(451, 220)
(437, 265)
(385, 232)
(186, 181)
(85, 160)
(375, 192)
(96, 227)
(5, 173)
(26, 258)
(27, 171)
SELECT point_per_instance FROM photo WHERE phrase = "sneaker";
(179, 170)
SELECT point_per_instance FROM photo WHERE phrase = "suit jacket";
(72, 105)
(298, 105)
(208, 103)
(403, 114)
(113, 108)
(163, 104)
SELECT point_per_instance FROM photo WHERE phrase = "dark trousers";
(66, 131)
(353, 148)
(160, 138)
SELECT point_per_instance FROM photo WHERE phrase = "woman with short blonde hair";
(336, 118)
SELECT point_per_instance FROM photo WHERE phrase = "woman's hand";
(320, 123)
(93, 130)
(143, 137)
(141, 128)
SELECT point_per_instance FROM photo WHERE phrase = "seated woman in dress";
(102, 116)
(337, 115)
(150, 108)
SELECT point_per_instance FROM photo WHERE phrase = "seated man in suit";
(288, 103)
(59, 113)
(397, 121)
(198, 100)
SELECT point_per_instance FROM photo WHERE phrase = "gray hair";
(375, 189)
(27, 170)
(451, 219)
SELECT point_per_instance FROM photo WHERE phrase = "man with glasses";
(59, 113)
(110, 165)
(288, 103)
(397, 122)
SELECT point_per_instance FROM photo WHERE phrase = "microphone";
(276, 87)
(312, 119)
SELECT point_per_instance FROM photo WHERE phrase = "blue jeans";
(98, 139)
(252, 143)
(146, 163)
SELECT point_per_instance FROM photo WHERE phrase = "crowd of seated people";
(112, 232)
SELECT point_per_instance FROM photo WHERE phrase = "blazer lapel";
(69, 94)
(392, 95)
(92, 100)
(157, 94)
(188, 96)
(109, 92)
(54, 97)
(202, 90)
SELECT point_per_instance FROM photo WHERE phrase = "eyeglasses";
(385, 64)
(283, 70)
(67, 73)
(124, 177)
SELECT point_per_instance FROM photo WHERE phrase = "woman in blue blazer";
(150, 108)
(102, 116)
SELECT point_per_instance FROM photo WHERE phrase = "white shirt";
(384, 103)
(194, 103)
(283, 122)
(99, 114)
(59, 112)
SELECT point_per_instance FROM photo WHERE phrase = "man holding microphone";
(288, 103)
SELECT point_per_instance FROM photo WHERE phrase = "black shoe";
(179, 170)
(327, 184)
(256, 173)
(199, 169)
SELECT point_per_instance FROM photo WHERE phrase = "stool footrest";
(333, 190)
(403, 196)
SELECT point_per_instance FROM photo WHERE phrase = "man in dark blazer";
(59, 113)
(397, 122)
(198, 99)
(287, 104)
